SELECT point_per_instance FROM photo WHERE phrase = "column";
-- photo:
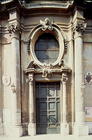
(32, 123)
(64, 124)
(14, 128)
(71, 65)
(79, 128)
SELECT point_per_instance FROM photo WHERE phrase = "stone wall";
(87, 62)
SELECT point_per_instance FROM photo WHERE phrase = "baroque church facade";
(45, 67)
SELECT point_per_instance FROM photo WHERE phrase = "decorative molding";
(6, 79)
(47, 71)
(46, 24)
(47, 4)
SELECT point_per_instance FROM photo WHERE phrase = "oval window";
(47, 48)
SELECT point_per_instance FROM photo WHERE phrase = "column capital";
(14, 28)
(64, 77)
(31, 77)
(79, 28)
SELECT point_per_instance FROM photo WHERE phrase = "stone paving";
(48, 137)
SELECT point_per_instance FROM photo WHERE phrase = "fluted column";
(32, 124)
(64, 124)
(80, 128)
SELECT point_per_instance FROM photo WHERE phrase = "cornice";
(37, 71)
(48, 4)
(40, 4)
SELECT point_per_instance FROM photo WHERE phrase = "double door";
(47, 108)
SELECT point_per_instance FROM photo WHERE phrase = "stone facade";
(21, 24)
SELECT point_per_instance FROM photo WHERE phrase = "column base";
(80, 130)
(32, 129)
(64, 129)
(13, 131)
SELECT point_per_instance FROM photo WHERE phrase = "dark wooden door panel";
(48, 108)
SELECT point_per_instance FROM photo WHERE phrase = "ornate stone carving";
(88, 78)
(30, 78)
(13, 28)
(46, 70)
(6, 80)
(46, 24)
(64, 77)
(81, 27)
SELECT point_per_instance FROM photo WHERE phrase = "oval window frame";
(37, 32)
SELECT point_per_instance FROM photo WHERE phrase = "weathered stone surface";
(20, 28)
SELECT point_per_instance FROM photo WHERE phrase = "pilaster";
(64, 123)
(32, 123)
(79, 128)
(14, 128)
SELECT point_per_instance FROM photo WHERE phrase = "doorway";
(48, 108)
